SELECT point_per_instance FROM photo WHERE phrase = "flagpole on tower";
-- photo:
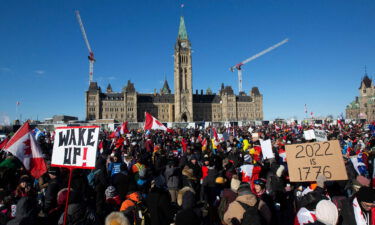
(181, 7)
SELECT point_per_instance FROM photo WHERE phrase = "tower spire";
(365, 70)
(182, 34)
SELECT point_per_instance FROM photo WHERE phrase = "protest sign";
(320, 135)
(307, 161)
(309, 134)
(75, 147)
(255, 136)
(267, 149)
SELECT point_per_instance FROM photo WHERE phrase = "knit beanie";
(244, 189)
(326, 212)
(235, 184)
(366, 194)
(110, 192)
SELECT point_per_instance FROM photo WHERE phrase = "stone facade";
(181, 106)
(363, 107)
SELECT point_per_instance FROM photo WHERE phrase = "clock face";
(183, 44)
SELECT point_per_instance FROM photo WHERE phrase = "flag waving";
(24, 146)
(124, 128)
(151, 123)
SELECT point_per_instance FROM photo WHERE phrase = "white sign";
(267, 149)
(75, 147)
(320, 135)
(309, 134)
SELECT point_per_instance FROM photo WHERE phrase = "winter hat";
(326, 212)
(110, 192)
(261, 182)
(366, 194)
(116, 218)
(54, 171)
(25, 179)
(234, 184)
(220, 180)
(62, 196)
(247, 158)
(244, 189)
(363, 181)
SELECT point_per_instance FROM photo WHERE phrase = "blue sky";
(43, 58)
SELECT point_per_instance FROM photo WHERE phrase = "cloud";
(40, 72)
(4, 119)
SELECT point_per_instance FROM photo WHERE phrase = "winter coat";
(209, 180)
(121, 182)
(50, 200)
(171, 174)
(26, 212)
(347, 212)
(79, 214)
(190, 214)
(235, 210)
(159, 205)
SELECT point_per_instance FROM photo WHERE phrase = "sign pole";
(67, 197)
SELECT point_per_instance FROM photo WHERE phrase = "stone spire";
(109, 88)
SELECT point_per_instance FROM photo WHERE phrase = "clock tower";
(183, 77)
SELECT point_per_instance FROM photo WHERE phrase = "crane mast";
(91, 53)
(238, 66)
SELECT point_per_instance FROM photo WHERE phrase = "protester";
(189, 176)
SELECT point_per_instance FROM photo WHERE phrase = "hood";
(188, 200)
(248, 199)
(134, 196)
(181, 194)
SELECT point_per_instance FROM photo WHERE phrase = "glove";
(280, 170)
(320, 180)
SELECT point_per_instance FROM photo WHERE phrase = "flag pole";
(67, 197)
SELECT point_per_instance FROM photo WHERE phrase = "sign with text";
(267, 149)
(320, 135)
(309, 134)
(75, 147)
(307, 161)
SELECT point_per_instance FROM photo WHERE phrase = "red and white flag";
(151, 123)
(124, 128)
(24, 146)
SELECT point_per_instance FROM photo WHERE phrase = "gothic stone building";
(363, 107)
(183, 105)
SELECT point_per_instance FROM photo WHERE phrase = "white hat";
(326, 212)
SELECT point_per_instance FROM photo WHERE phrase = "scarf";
(359, 218)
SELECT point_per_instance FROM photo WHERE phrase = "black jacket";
(159, 204)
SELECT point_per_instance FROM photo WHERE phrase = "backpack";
(91, 177)
(138, 214)
(223, 206)
(251, 215)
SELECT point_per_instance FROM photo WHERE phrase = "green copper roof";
(182, 34)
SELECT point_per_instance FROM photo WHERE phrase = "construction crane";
(91, 54)
(239, 65)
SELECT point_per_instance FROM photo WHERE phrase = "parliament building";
(363, 107)
(181, 106)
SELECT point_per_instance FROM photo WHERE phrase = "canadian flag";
(24, 146)
(151, 123)
(124, 128)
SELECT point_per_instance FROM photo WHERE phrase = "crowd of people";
(194, 176)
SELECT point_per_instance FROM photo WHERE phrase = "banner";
(307, 161)
(75, 147)
(267, 149)
(320, 135)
